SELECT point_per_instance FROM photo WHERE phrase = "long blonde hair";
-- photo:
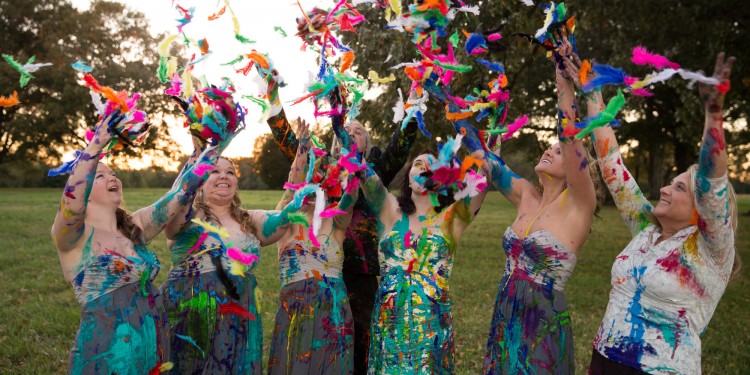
(235, 210)
(732, 203)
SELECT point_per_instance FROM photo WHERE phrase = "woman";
(412, 327)
(103, 254)
(210, 293)
(361, 243)
(313, 333)
(530, 330)
(668, 280)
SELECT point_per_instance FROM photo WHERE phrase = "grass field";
(39, 315)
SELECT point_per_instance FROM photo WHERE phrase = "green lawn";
(39, 315)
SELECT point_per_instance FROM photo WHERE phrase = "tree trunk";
(656, 169)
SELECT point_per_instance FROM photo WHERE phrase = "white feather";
(320, 205)
(398, 110)
(97, 100)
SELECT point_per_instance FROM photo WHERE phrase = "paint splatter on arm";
(68, 228)
(173, 209)
(711, 181)
(575, 158)
(511, 185)
(297, 170)
(374, 191)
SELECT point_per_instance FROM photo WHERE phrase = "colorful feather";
(641, 56)
(242, 257)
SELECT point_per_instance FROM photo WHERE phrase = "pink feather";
(89, 135)
(517, 124)
(641, 92)
(295, 187)
(407, 239)
(238, 255)
(493, 37)
(319, 152)
(352, 185)
(201, 169)
(198, 243)
(641, 56)
(313, 238)
(331, 212)
(630, 80)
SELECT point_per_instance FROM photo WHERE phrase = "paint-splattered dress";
(214, 322)
(663, 295)
(123, 324)
(530, 330)
(314, 331)
(412, 324)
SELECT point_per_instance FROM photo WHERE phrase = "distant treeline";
(32, 174)
(21, 175)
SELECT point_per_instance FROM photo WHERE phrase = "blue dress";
(530, 330)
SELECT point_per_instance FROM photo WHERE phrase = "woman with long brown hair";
(103, 254)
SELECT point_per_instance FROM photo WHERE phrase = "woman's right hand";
(102, 136)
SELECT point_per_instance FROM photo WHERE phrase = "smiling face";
(676, 202)
(358, 134)
(420, 165)
(107, 188)
(221, 184)
(551, 163)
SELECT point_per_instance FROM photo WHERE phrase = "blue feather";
(494, 66)
(606, 75)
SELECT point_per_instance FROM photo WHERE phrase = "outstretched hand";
(711, 95)
(303, 136)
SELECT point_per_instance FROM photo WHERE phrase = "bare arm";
(68, 228)
(575, 161)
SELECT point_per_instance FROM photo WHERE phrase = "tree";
(55, 108)
(666, 128)
(270, 163)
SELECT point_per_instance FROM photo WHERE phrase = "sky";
(257, 20)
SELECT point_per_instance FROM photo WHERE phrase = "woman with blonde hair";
(667, 282)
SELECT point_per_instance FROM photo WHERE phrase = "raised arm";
(581, 190)
(377, 195)
(396, 153)
(712, 200)
(297, 170)
(633, 206)
(68, 228)
(280, 127)
(172, 210)
(512, 186)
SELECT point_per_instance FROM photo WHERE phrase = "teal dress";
(412, 324)
(123, 326)
(215, 326)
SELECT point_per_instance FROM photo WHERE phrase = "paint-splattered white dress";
(663, 295)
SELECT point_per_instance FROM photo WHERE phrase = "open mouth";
(113, 188)
(225, 186)
(546, 161)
